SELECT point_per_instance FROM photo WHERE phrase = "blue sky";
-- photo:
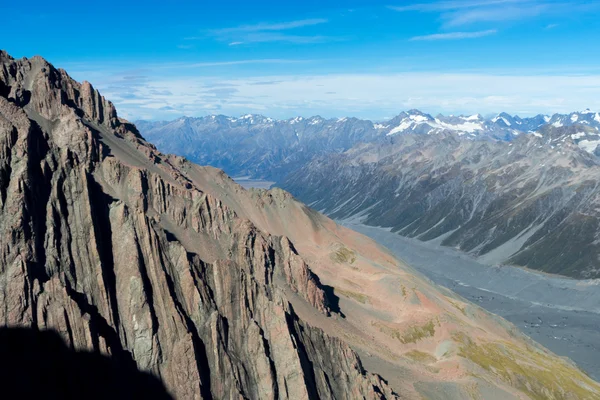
(369, 59)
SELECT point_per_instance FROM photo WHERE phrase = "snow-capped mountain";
(503, 126)
(264, 147)
(473, 126)
(584, 136)
(586, 117)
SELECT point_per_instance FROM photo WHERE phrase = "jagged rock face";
(505, 202)
(221, 292)
(92, 226)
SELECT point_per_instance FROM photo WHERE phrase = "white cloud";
(364, 95)
(267, 32)
(494, 14)
(452, 5)
(264, 37)
(454, 35)
(458, 13)
(227, 63)
(281, 26)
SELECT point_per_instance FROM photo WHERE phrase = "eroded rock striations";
(92, 224)
(220, 292)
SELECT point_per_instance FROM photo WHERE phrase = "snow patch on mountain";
(402, 127)
(589, 145)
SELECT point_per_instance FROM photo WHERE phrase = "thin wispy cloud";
(452, 5)
(454, 35)
(286, 32)
(235, 62)
(459, 13)
(269, 37)
(280, 26)
(494, 14)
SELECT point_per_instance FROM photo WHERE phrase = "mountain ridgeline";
(530, 202)
(262, 147)
(175, 270)
(506, 189)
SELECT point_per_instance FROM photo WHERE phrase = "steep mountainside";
(221, 292)
(532, 202)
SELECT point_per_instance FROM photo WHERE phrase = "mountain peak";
(5, 56)
(474, 117)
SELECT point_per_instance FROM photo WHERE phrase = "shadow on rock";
(38, 364)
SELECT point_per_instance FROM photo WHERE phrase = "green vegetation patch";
(539, 375)
(411, 335)
(458, 307)
(420, 356)
(416, 333)
(361, 298)
(343, 255)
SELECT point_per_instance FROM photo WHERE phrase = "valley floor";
(248, 183)
(560, 313)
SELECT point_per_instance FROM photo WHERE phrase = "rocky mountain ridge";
(505, 202)
(91, 213)
(262, 147)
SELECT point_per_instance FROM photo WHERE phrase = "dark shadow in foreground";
(38, 365)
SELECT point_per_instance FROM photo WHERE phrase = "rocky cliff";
(93, 221)
(220, 292)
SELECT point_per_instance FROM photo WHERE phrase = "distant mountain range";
(507, 189)
(534, 201)
(254, 145)
(262, 147)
